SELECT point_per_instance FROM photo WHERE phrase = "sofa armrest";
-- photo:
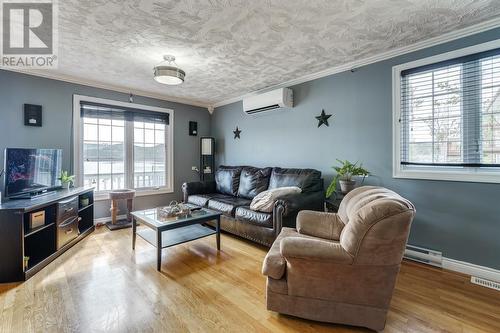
(274, 264)
(286, 207)
(319, 224)
(314, 249)
(197, 188)
(295, 202)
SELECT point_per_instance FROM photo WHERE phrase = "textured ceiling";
(232, 47)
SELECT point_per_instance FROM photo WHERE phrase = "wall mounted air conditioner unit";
(271, 100)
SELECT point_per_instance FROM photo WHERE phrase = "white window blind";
(450, 113)
(123, 147)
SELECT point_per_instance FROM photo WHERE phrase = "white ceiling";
(229, 48)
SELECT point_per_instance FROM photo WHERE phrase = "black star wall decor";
(323, 118)
(237, 132)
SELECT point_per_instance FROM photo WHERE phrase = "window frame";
(78, 146)
(462, 174)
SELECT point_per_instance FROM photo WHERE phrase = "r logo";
(27, 28)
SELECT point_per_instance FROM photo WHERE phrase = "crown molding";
(471, 30)
(447, 37)
(95, 84)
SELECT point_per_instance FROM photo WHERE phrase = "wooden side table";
(332, 203)
(115, 196)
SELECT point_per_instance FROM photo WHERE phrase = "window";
(149, 156)
(103, 150)
(447, 116)
(121, 145)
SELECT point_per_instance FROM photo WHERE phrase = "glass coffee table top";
(156, 218)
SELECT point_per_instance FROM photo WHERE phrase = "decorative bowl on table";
(174, 209)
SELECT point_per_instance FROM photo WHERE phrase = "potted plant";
(66, 180)
(345, 173)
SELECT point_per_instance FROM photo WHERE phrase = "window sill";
(473, 175)
(103, 196)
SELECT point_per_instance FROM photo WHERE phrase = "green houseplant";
(345, 173)
(66, 179)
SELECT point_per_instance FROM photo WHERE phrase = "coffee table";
(163, 232)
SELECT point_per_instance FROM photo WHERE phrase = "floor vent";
(485, 283)
(426, 256)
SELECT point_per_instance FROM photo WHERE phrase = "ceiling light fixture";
(167, 71)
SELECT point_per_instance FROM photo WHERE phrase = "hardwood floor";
(100, 285)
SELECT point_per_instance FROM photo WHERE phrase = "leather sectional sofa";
(234, 188)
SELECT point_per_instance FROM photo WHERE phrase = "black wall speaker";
(32, 115)
(193, 128)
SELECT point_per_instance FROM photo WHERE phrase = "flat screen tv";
(31, 171)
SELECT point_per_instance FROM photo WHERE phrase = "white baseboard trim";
(435, 258)
(106, 219)
(471, 269)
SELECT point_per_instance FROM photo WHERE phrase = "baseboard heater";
(426, 256)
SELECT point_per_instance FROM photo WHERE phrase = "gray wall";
(461, 219)
(56, 98)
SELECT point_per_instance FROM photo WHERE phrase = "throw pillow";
(264, 201)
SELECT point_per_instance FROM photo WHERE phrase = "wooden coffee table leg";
(217, 228)
(129, 209)
(158, 249)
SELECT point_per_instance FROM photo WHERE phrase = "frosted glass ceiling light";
(167, 71)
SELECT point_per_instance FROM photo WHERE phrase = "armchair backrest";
(377, 224)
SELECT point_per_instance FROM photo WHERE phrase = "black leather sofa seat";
(253, 217)
(227, 204)
(201, 199)
(234, 188)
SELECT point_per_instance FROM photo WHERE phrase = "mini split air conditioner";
(271, 100)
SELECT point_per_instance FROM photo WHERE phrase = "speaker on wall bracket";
(32, 115)
(193, 128)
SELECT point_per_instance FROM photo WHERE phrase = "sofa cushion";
(253, 181)
(201, 199)
(227, 204)
(227, 180)
(308, 180)
(253, 217)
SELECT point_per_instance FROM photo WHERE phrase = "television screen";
(31, 170)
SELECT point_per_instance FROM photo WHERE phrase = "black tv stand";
(24, 250)
(33, 195)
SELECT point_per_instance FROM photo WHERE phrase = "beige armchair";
(341, 268)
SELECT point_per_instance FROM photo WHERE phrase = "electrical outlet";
(194, 168)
